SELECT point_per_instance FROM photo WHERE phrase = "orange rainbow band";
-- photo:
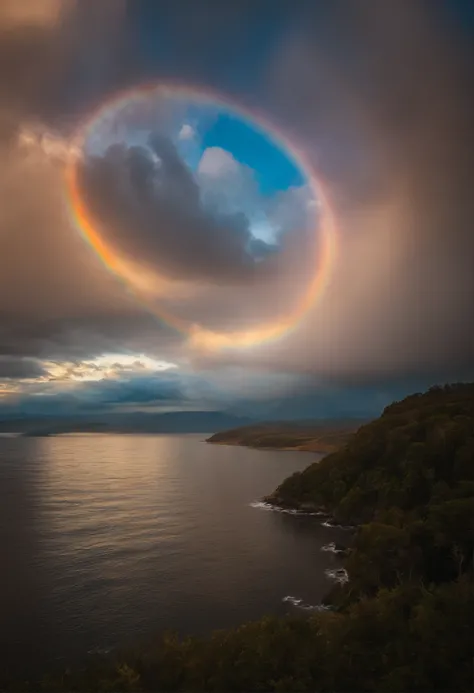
(147, 285)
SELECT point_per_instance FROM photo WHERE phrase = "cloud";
(216, 162)
(45, 387)
(102, 396)
(13, 368)
(229, 187)
(56, 300)
(391, 135)
(105, 367)
(151, 208)
(111, 383)
(187, 132)
(43, 13)
(29, 49)
(137, 390)
(43, 261)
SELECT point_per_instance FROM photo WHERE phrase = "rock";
(309, 507)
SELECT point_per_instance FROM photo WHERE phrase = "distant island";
(323, 436)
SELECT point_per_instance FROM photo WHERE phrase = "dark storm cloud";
(150, 209)
(138, 390)
(108, 328)
(99, 396)
(12, 367)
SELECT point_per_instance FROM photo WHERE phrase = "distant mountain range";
(225, 428)
(170, 422)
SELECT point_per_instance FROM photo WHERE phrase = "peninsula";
(322, 436)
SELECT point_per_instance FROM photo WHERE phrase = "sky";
(316, 173)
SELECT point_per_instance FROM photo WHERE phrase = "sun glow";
(104, 367)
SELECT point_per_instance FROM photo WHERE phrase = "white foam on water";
(332, 525)
(100, 650)
(262, 505)
(339, 575)
(300, 604)
(293, 600)
(332, 548)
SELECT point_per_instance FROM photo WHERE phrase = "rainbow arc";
(148, 287)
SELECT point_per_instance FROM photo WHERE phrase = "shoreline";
(303, 510)
(297, 448)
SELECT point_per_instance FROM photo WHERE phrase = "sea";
(109, 540)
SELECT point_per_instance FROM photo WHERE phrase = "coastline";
(303, 510)
(297, 448)
(339, 575)
(320, 450)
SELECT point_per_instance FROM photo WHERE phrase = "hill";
(419, 451)
(315, 436)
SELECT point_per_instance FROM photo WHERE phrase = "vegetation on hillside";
(408, 480)
(405, 619)
(419, 452)
(316, 436)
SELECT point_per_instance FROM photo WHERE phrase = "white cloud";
(107, 366)
(187, 132)
(216, 162)
(230, 187)
(47, 143)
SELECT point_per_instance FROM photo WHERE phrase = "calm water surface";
(105, 539)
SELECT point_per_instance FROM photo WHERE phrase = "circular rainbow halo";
(188, 115)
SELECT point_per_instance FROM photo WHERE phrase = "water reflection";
(20, 590)
(117, 537)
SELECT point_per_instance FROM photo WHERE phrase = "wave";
(300, 604)
(332, 548)
(333, 525)
(262, 505)
(339, 575)
(100, 650)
